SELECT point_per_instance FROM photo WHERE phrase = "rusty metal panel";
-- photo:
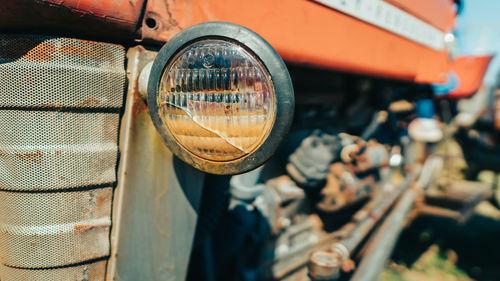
(105, 19)
(94, 271)
(72, 72)
(51, 154)
(153, 217)
(51, 229)
(60, 101)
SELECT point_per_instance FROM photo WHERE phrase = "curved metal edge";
(279, 75)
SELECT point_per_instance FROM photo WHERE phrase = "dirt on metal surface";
(34, 156)
(90, 101)
(159, 23)
(138, 57)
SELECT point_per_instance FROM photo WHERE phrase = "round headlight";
(221, 97)
(217, 100)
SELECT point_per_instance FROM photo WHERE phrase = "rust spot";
(51, 105)
(57, 152)
(167, 24)
(72, 51)
(82, 227)
(100, 201)
(43, 52)
(34, 156)
(90, 101)
(139, 106)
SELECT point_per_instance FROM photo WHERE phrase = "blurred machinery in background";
(370, 167)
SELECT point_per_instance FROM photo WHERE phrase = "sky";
(478, 32)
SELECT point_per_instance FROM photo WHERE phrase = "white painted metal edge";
(390, 18)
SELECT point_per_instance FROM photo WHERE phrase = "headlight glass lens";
(217, 99)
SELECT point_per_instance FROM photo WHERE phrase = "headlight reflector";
(217, 99)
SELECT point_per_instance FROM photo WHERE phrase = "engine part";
(378, 119)
(362, 157)
(324, 266)
(384, 240)
(343, 187)
(244, 188)
(309, 164)
(279, 202)
(363, 222)
(367, 220)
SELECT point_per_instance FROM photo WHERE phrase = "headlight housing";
(221, 97)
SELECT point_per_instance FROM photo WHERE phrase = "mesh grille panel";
(60, 100)
(73, 228)
(94, 271)
(44, 150)
(72, 71)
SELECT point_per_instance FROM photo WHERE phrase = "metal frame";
(279, 75)
(157, 198)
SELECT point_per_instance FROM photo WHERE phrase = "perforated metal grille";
(60, 72)
(60, 100)
(94, 271)
(52, 150)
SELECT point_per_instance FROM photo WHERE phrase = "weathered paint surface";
(60, 100)
(115, 19)
(153, 221)
(306, 32)
(302, 31)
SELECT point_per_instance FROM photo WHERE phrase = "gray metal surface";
(370, 219)
(60, 100)
(384, 240)
(153, 219)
